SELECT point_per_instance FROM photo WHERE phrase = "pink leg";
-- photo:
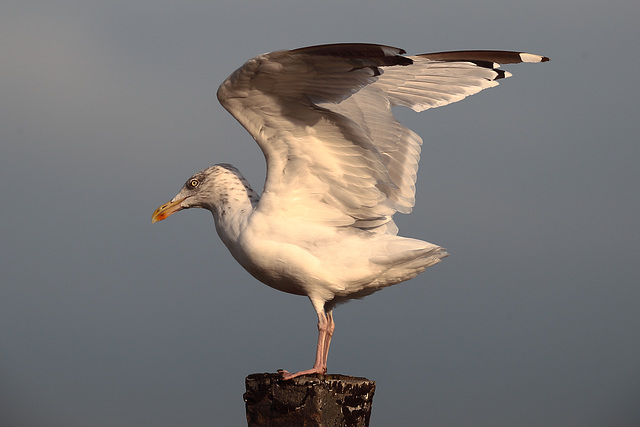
(325, 331)
(327, 339)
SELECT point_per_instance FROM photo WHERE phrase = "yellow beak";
(166, 210)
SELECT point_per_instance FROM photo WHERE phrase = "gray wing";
(322, 116)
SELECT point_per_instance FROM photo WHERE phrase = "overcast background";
(107, 107)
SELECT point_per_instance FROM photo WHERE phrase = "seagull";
(339, 166)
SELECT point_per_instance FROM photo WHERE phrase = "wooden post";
(317, 400)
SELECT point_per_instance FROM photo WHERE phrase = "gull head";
(198, 192)
(216, 188)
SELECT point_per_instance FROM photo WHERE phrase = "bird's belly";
(325, 262)
(283, 266)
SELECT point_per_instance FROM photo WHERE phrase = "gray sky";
(108, 106)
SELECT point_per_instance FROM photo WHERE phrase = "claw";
(286, 375)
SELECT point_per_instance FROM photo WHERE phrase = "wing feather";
(322, 117)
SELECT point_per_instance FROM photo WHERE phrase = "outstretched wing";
(322, 117)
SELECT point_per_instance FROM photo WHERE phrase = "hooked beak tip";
(166, 210)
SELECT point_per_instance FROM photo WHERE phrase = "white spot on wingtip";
(507, 74)
(530, 57)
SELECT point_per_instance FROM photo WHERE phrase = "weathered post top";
(317, 400)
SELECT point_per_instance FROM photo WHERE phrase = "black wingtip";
(381, 54)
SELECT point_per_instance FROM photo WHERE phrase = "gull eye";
(193, 183)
